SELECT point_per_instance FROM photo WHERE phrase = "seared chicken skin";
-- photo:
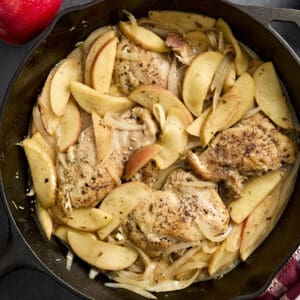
(82, 180)
(252, 147)
(183, 211)
(135, 66)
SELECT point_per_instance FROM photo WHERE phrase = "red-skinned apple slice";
(60, 85)
(103, 66)
(93, 52)
(140, 158)
(70, 125)
(49, 118)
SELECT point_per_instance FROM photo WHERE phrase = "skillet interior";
(248, 277)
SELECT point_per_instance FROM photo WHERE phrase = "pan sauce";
(190, 228)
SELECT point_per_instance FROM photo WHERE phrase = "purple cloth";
(286, 284)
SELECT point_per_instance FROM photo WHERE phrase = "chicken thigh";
(252, 147)
(183, 211)
(82, 180)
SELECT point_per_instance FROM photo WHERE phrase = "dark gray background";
(29, 284)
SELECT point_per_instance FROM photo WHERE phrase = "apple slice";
(90, 100)
(230, 77)
(43, 172)
(140, 158)
(269, 96)
(245, 86)
(148, 95)
(241, 59)
(103, 66)
(217, 120)
(120, 202)
(102, 136)
(102, 255)
(142, 36)
(62, 233)
(224, 260)
(197, 80)
(183, 20)
(93, 52)
(70, 125)
(45, 221)
(49, 118)
(195, 127)
(88, 42)
(84, 218)
(253, 194)
(41, 141)
(76, 55)
(174, 138)
(59, 88)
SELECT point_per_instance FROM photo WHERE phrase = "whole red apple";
(21, 20)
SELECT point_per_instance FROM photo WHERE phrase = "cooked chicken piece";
(184, 211)
(135, 65)
(252, 147)
(82, 181)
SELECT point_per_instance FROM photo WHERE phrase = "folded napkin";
(286, 284)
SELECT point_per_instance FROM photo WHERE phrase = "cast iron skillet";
(252, 26)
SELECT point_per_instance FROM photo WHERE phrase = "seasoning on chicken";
(82, 180)
(252, 147)
(135, 65)
(184, 210)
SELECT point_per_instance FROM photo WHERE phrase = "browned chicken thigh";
(184, 210)
(82, 180)
(135, 66)
(252, 147)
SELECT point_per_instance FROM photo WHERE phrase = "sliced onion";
(159, 114)
(131, 18)
(37, 120)
(93, 273)
(178, 247)
(69, 260)
(173, 78)
(249, 51)
(173, 285)
(131, 288)
(234, 239)
(221, 42)
(212, 39)
(191, 266)
(148, 24)
(204, 227)
(209, 249)
(219, 79)
(143, 255)
(170, 270)
(121, 125)
(251, 112)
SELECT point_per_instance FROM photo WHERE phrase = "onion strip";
(178, 247)
(121, 125)
(251, 112)
(173, 78)
(170, 270)
(173, 285)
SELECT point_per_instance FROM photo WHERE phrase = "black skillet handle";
(71, 4)
(16, 254)
(265, 15)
